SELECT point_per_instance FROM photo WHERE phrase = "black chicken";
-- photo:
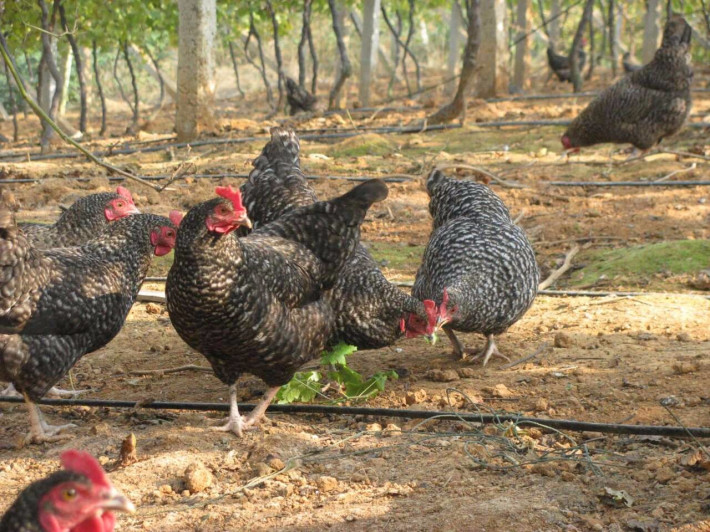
(560, 65)
(79, 498)
(298, 98)
(629, 64)
(478, 266)
(59, 304)
(645, 106)
(85, 220)
(255, 304)
(368, 308)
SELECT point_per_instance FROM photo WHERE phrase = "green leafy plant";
(305, 386)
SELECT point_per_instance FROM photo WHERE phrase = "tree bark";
(134, 86)
(117, 79)
(368, 48)
(396, 43)
(408, 50)
(305, 27)
(314, 61)
(277, 54)
(344, 67)
(48, 61)
(161, 82)
(65, 71)
(494, 50)
(235, 66)
(458, 106)
(454, 55)
(149, 66)
(196, 69)
(554, 27)
(13, 105)
(522, 59)
(613, 41)
(99, 87)
(651, 30)
(357, 24)
(592, 53)
(261, 68)
(575, 73)
(79, 69)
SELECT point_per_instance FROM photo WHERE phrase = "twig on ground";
(685, 154)
(674, 172)
(677, 420)
(566, 265)
(519, 217)
(492, 177)
(186, 367)
(544, 347)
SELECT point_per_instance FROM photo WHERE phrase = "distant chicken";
(560, 65)
(255, 304)
(59, 304)
(369, 309)
(86, 219)
(478, 266)
(298, 98)
(645, 106)
(629, 64)
(79, 498)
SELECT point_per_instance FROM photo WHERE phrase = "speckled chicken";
(255, 304)
(59, 304)
(478, 266)
(86, 219)
(560, 65)
(645, 106)
(298, 98)
(368, 308)
(79, 498)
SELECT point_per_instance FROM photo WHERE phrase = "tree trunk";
(494, 54)
(305, 27)
(161, 82)
(408, 50)
(554, 26)
(277, 54)
(50, 66)
(651, 30)
(314, 61)
(454, 55)
(99, 87)
(79, 69)
(522, 58)
(261, 67)
(395, 32)
(65, 71)
(13, 105)
(592, 52)
(134, 86)
(149, 66)
(344, 67)
(458, 106)
(368, 48)
(117, 79)
(235, 66)
(196, 69)
(575, 74)
(613, 40)
(381, 54)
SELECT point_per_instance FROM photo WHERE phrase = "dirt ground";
(610, 359)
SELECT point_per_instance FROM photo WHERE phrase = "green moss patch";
(368, 144)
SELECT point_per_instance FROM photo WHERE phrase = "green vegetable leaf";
(338, 354)
(303, 387)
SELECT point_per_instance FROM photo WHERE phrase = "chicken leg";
(40, 430)
(10, 391)
(235, 421)
(255, 415)
(463, 353)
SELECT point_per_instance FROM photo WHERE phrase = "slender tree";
(78, 62)
(345, 68)
(577, 45)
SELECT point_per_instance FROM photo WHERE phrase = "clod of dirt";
(467, 373)
(152, 308)
(326, 484)
(681, 367)
(701, 281)
(414, 398)
(541, 405)
(197, 477)
(684, 337)
(664, 475)
(563, 340)
(643, 526)
(442, 375)
(499, 390)
(274, 462)
(373, 427)
(128, 454)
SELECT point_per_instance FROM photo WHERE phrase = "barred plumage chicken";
(368, 308)
(645, 106)
(478, 266)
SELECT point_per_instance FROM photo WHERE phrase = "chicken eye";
(170, 234)
(69, 494)
(119, 204)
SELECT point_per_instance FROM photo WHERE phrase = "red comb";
(430, 307)
(83, 463)
(232, 195)
(124, 193)
(176, 217)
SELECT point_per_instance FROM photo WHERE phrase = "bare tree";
(235, 66)
(576, 46)
(99, 87)
(79, 69)
(48, 65)
(277, 54)
(261, 67)
(368, 48)
(651, 30)
(492, 76)
(454, 55)
(457, 107)
(345, 68)
(520, 70)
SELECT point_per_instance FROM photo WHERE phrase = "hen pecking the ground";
(79, 498)
(645, 106)
(255, 304)
(59, 304)
(478, 265)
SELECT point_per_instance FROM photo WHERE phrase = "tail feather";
(435, 177)
(280, 153)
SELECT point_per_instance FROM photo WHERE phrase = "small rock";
(197, 477)
(563, 340)
(275, 463)
(414, 398)
(467, 373)
(681, 367)
(128, 454)
(374, 427)
(499, 390)
(541, 405)
(391, 429)
(684, 337)
(664, 475)
(166, 489)
(152, 308)
(261, 469)
(326, 484)
(442, 375)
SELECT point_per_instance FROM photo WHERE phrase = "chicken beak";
(431, 338)
(133, 210)
(244, 220)
(117, 501)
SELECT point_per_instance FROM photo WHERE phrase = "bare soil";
(611, 359)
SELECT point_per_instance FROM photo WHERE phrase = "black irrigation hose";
(560, 424)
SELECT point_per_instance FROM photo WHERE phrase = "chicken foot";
(257, 414)
(463, 352)
(237, 423)
(40, 430)
(10, 391)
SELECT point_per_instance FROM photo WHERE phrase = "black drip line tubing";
(559, 424)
